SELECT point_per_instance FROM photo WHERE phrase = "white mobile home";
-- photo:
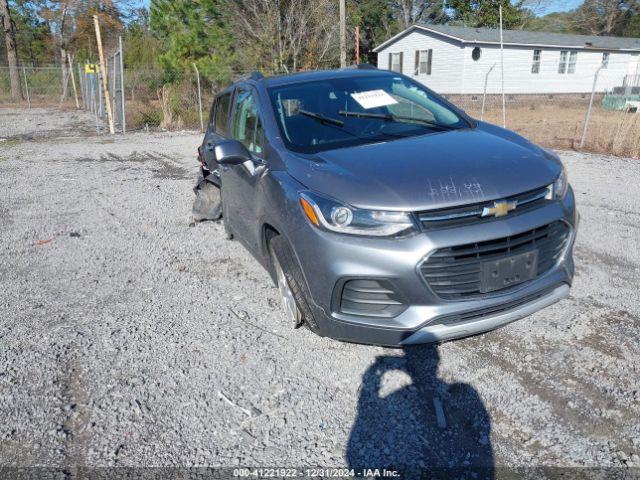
(461, 60)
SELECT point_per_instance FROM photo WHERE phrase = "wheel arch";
(268, 232)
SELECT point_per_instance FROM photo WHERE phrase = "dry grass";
(558, 123)
(143, 114)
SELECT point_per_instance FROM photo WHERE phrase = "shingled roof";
(523, 37)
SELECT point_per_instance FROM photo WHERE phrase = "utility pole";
(73, 81)
(586, 119)
(121, 56)
(12, 50)
(504, 106)
(357, 45)
(199, 97)
(26, 86)
(343, 34)
(103, 70)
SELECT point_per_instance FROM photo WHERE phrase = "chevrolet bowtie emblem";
(499, 209)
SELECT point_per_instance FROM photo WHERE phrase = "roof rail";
(360, 66)
(249, 76)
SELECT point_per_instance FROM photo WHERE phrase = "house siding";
(446, 64)
(454, 70)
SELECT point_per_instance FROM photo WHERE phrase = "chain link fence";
(542, 104)
(154, 103)
(143, 99)
(558, 120)
(40, 87)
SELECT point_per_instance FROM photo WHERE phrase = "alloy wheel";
(286, 294)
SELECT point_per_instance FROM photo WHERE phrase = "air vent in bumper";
(373, 298)
(453, 273)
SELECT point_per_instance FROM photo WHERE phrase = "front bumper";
(428, 317)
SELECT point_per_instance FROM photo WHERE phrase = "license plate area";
(509, 271)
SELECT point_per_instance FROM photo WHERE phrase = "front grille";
(374, 298)
(472, 213)
(453, 273)
(480, 313)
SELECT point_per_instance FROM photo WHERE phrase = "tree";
(193, 31)
(59, 16)
(556, 22)
(31, 34)
(377, 22)
(630, 26)
(143, 48)
(485, 13)
(410, 12)
(82, 37)
(602, 17)
(71, 25)
(12, 50)
(284, 35)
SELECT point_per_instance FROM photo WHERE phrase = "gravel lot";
(131, 337)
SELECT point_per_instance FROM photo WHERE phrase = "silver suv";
(384, 213)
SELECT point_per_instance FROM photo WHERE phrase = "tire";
(282, 257)
(208, 202)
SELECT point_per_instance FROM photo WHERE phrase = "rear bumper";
(427, 318)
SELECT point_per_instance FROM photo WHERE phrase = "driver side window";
(246, 126)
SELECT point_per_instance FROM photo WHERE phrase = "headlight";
(332, 215)
(561, 184)
(559, 188)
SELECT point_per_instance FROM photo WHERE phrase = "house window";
(423, 62)
(395, 62)
(605, 59)
(476, 53)
(567, 62)
(562, 66)
(573, 58)
(535, 66)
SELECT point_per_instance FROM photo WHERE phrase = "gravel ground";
(131, 337)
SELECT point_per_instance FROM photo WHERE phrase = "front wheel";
(291, 285)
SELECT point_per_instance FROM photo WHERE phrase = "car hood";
(429, 171)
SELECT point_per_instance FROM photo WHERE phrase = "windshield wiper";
(321, 118)
(390, 118)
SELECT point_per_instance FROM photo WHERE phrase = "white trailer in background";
(456, 60)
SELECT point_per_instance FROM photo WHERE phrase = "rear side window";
(222, 114)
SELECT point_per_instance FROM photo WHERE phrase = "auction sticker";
(373, 99)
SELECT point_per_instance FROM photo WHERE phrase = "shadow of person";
(411, 421)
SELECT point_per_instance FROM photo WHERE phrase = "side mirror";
(231, 152)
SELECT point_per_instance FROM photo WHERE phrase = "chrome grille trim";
(428, 219)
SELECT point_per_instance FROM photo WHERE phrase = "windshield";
(342, 112)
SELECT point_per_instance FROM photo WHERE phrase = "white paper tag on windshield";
(373, 99)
